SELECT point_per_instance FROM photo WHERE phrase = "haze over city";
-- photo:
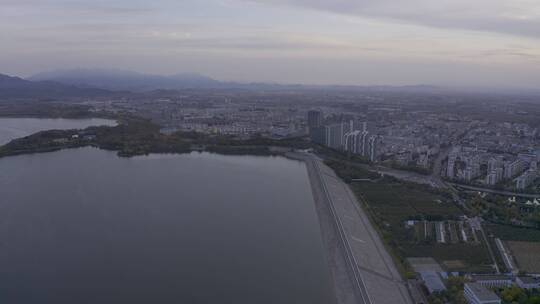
(453, 43)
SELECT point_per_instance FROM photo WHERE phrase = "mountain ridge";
(18, 88)
(88, 83)
(121, 80)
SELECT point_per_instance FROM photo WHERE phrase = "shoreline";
(231, 152)
(362, 270)
(134, 137)
(341, 273)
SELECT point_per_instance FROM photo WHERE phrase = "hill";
(126, 80)
(18, 88)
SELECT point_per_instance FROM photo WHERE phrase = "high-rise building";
(373, 148)
(491, 179)
(494, 176)
(364, 144)
(335, 134)
(493, 163)
(315, 119)
(317, 131)
(499, 173)
(344, 135)
(514, 168)
(526, 179)
(364, 126)
(353, 143)
(318, 135)
(468, 174)
(450, 170)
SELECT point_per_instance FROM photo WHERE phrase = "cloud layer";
(302, 41)
(514, 17)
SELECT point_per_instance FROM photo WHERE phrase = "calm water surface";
(84, 226)
(11, 128)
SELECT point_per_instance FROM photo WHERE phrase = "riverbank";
(362, 270)
(133, 137)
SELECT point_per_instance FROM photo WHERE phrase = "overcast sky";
(365, 42)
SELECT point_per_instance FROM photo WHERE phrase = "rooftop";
(490, 277)
(480, 292)
(529, 280)
(432, 281)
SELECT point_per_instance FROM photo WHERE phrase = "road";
(479, 227)
(370, 276)
(501, 192)
(410, 176)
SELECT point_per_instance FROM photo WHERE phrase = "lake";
(85, 226)
(11, 128)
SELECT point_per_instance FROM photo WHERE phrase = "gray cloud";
(309, 41)
(513, 17)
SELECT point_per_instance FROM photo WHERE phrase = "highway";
(494, 191)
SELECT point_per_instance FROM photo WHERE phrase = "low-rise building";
(432, 281)
(526, 179)
(493, 281)
(527, 282)
(476, 293)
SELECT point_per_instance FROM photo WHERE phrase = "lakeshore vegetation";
(135, 136)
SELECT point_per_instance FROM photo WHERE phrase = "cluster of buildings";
(216, 114)
(469, 164)
(407, 139)
(350, 136)
(478, 289)
(444, 232)
(506, 137)
(475, 292)
(407, 132)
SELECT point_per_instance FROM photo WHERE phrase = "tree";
(513, 294)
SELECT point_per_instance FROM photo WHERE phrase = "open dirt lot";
(526, 254)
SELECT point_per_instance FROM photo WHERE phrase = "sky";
(487, 43)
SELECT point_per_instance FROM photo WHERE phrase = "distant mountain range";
(18, 88)
(92, 83)
(118, 80)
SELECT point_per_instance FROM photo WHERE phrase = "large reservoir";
(85, 226)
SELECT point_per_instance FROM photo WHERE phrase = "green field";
(511, 233)
(453, 257)
(396, 202)
(391, 202)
